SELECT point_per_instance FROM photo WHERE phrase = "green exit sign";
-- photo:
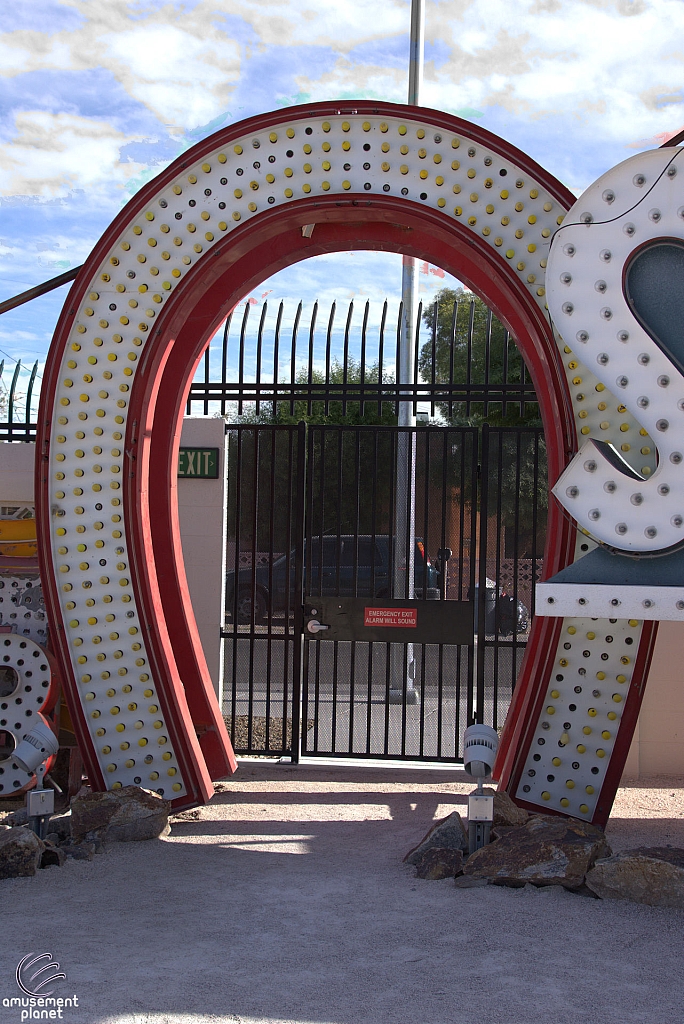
(198, 463)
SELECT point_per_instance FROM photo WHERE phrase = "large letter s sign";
(614, 278)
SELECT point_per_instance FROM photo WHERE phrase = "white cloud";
(33, 50)
(341, 26)
(53, 153)
(576, 61)
(181, 76)
(580, 61)
(13, 58)
(602, 74)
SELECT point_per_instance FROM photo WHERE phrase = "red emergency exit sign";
(401, 618)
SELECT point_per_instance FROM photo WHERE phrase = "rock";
(52, 855)
(506, 812)
(500, 830)
(553, 890)
(652, 875)
(61, 825)
(448, 834)
(584, 890)
(126, 815)
(18, 817)
(544, 851)
(20, 852)
(439, 862)
(194, 814)
(467, 882)
(79, 851)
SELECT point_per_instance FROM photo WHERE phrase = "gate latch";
(314, 626)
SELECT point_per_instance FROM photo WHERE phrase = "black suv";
(346, 566)
(332, 575)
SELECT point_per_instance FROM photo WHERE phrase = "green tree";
(467, 344)
(349, 474)
(346, 410)
(459, 326)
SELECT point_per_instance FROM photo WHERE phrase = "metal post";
(40, 804)
(480, 818)
(29, 395)
(416, 52)
(482, 594)
(298, 653)
(10, 402)
(401, 655)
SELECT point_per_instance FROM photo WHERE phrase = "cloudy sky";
(97, 96)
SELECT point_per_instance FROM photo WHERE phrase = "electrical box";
(480, 807)
(40, 802)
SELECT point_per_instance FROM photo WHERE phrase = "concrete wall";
(16, 473)
(658, 744)
(202, 515)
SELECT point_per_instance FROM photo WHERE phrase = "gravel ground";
(285, 900)
(240, 738)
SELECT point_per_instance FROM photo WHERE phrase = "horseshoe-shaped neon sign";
(157, 285)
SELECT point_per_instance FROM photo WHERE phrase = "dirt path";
(286, 900)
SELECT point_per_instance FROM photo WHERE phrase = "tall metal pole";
(409, 263)
(416, 52)
(402, 661)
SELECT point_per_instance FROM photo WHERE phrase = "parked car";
(346, 566)
(332, 573)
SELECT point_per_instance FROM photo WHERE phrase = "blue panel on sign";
(654, 286)
(612, 570)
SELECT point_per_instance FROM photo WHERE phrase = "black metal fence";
(269, 365)
(17, 405)
(264, 366)
(312, 514)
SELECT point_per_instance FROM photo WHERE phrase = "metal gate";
(370, 619)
